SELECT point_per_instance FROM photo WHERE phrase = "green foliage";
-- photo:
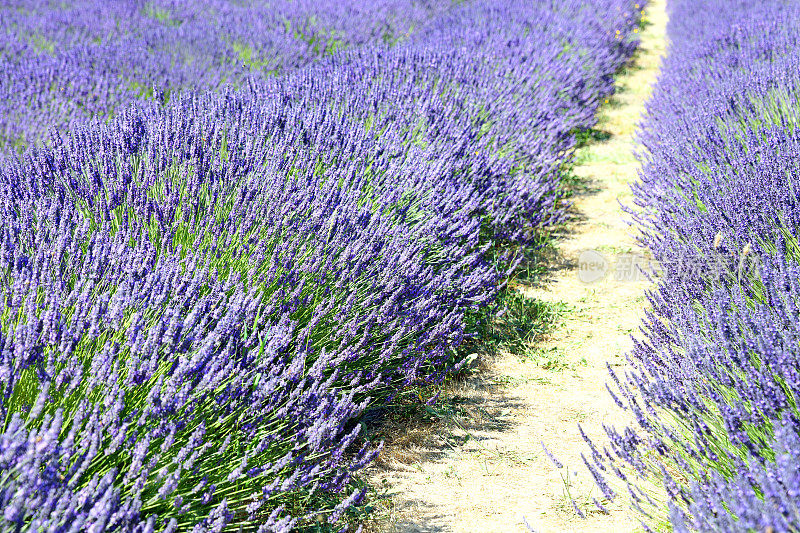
(391, 38)
(251, 59)
(584, 137)
(148, 92)
(160, 14)
(517, 322)
(321, 41)
(42, 44)
(777, 106)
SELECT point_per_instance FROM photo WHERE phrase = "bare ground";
(487, 471)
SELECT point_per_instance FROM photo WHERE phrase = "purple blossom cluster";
(715, 382)
(199, 298)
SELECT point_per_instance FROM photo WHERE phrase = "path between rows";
(489, 473)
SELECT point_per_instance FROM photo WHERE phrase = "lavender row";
(66, 61)
(714, 385)
(199, 299)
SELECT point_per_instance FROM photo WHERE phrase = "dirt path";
(490, 474)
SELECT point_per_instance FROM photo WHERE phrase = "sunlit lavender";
(714, 384)
(227, 229)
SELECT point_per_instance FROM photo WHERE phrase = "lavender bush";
(714, 385)
(201, 295)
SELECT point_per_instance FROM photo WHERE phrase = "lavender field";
(235, 234)
(229, 229)
(714, 384)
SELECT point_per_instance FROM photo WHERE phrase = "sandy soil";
(487, 471)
